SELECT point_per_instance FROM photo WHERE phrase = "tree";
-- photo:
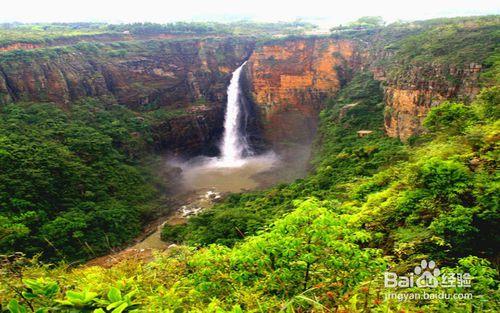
(449, 117)
(310, 246)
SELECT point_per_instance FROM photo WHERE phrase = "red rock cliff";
(291, 79)
(410, 96)
(166, 73)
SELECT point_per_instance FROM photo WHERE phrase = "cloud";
(225, 10)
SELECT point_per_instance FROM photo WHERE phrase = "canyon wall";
(287, 81)
(159, 73)
(412, 94)
(291, 80)
(191, 134)
(419, 65)
(189, 75)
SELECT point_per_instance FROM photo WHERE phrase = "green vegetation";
(46, 33)
(74, 184)
(451, 43)
(71, 185)
(319, 243)
(440, 47)
(200, 28)
(436, 46)
(71, 33)
(362, 23)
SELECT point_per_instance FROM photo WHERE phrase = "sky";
(321, 11)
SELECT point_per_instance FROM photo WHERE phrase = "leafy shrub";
(445, 179)
(449, 117)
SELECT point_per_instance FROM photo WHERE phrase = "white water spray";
(235, 168)
(233, 146)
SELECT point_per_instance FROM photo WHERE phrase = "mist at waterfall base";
(238, 167)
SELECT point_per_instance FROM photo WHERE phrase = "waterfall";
(237, 164)
(233, 144)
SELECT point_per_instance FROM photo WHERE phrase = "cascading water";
(235, 168)
(233, 144)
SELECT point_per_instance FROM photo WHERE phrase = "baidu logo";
(427, 275)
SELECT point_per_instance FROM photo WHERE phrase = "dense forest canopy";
(11, 33)
(71, 185)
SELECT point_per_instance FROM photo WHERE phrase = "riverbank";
(201, 186)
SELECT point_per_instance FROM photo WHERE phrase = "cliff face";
(291, 79)
(163, 73)
(409, 97)
(191, 134)
(19, 46)
(287, 80)
(176, 74)
(419, 65)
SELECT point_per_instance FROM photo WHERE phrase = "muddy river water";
(204, 182)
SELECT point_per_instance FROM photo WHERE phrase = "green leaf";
(89, 296)
(114, 305)
(15, 307)
(129, 295)
(51, 290)
(114, 294)
(65, 302)
(78, 298)
(29, 295)
(32, 284)
(74, 296)
(120, 308)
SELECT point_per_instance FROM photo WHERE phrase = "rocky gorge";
(288, 82)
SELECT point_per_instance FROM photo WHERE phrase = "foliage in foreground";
(314, 259)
